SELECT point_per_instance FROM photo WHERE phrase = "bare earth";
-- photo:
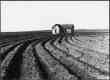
(78, 57)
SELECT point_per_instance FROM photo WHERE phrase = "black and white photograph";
(54, 40)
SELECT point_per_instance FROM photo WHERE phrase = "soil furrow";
(66, 67)
(6, 62)
(29, 66)
(52, 58)
(4, 53)
(73, 41)
(93, 59)
(54, 70)
(83, 69)
(14, 66)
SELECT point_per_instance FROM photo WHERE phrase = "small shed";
(63, 29)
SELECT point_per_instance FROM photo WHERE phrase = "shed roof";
(67, 25)
(64, 25)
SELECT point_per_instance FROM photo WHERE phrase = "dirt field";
(47, 57)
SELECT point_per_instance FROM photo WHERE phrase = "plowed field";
(83, 57)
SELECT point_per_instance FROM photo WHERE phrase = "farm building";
(62, 29)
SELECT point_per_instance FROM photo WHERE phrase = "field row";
(55, 58)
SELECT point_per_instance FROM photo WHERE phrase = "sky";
(41, 15)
